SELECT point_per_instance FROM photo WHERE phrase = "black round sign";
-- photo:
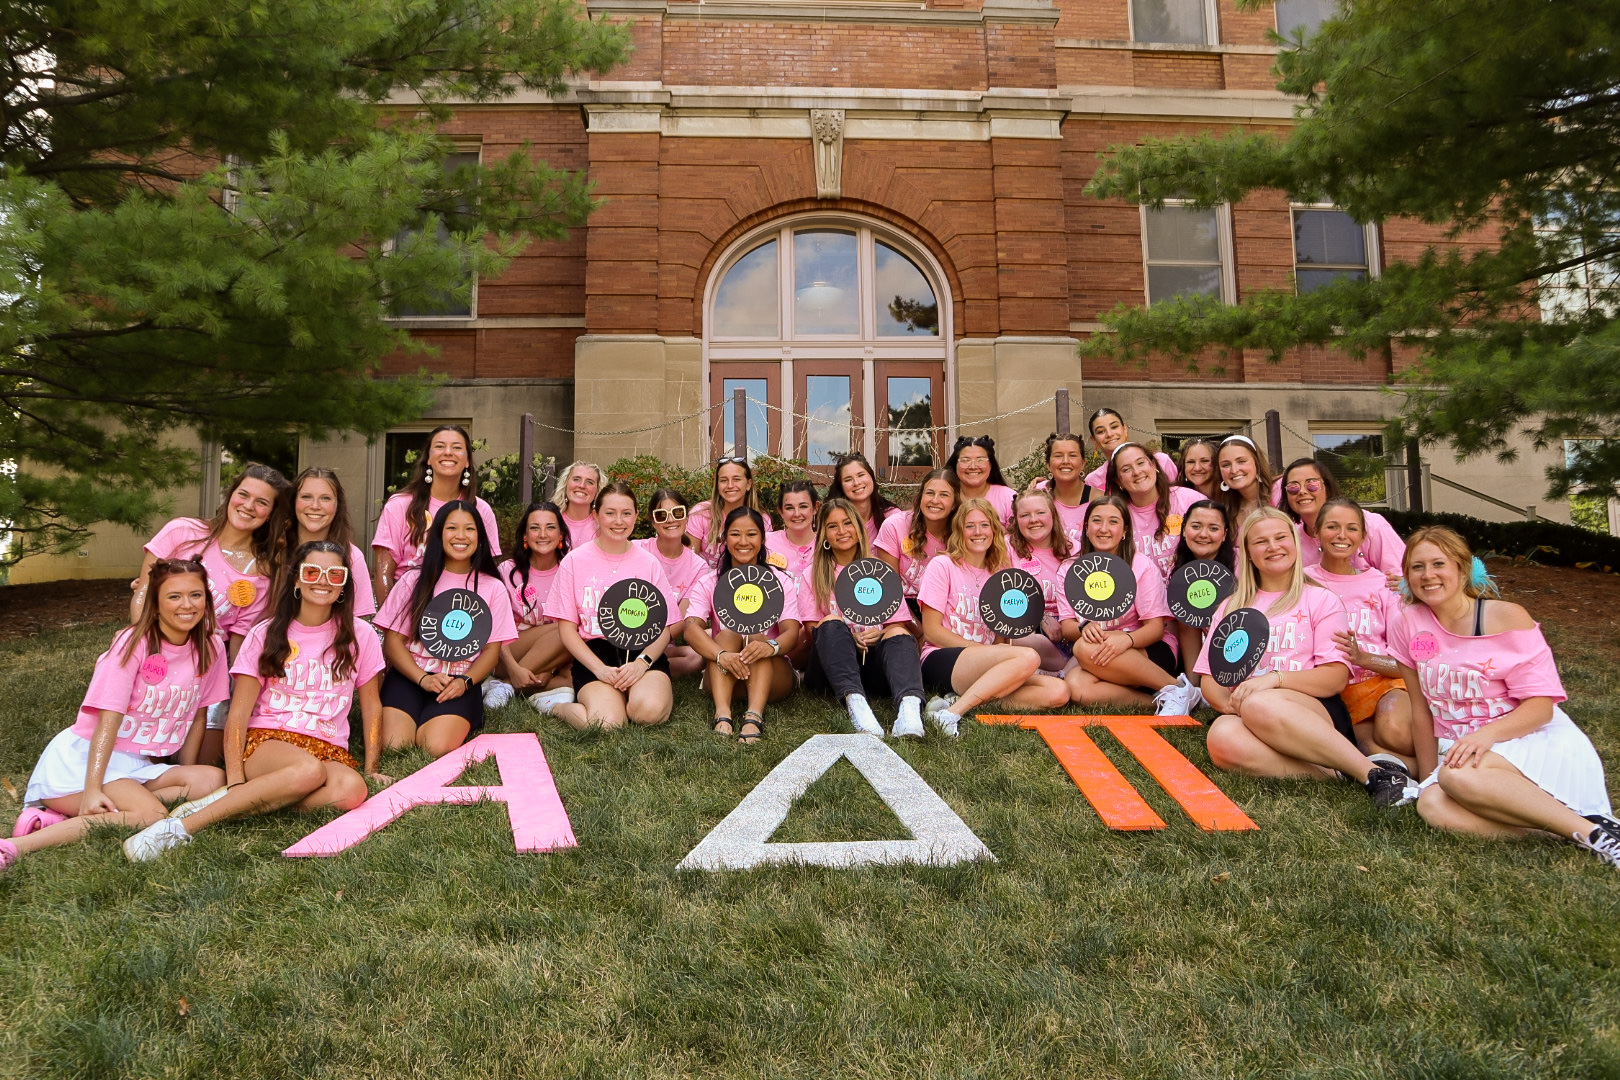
(632, 614)
(1100, 587)
(1196, 590)
(1011, 603)
(748, 599)
(868, 592)
(1237, 644)
(455, 625)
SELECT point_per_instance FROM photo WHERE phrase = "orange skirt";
(319, 749)
(1362, 698)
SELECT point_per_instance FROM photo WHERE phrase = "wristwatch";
(645, 659)
(776, 647)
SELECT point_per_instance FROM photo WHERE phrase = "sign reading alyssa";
(1237, 644)
(632, 614)
(455, 625)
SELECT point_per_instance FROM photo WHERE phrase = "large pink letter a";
(539, 822)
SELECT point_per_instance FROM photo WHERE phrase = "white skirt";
(62, 767)
(1558, 758)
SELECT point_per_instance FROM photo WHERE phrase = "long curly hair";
(345, 651)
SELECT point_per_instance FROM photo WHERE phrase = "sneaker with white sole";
(935, 704)
(186, 809)
(861, 717)
(1603, 841)
(497, 693)
(1389, 789)
(1175, 699)
(908, 723)
(547, 700)
(947, 722)
(1391, 762)
(154, 840)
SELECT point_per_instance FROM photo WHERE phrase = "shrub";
(1545, 542)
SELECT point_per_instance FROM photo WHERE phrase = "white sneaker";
(1175, 699)
(861, 717)
(497, 693)
(946, 721)
(908, 724)
(154, 840)
(936, 704)
(186, 809)
(547, 700)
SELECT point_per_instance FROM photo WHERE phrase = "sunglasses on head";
(1294, 487)
(730, 459)
(313, 574)
(664, 517)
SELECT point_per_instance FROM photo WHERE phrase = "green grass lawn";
(1336, 941)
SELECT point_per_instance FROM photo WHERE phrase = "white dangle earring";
(466, 477)
(427, 474)
(1224, 487)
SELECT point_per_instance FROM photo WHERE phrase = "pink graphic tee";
(394, 533)
(1301, 637)
(239, 599)
(1369, 608)
(893, 540)
(953, 590)
(588, 572)
(1151, 602)
(1383, 550)
(1470, 681)
(702, 599)
(811, 613)
(157, 694)
(1097, 479)
(796, 555)
(680, 573)
(699, 525)
(581, 532)
(1145, 523)
(527, 596)
(1048, 570)
(396, 615)
(1001, 498)
(305, 697)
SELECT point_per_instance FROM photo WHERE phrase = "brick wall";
(708, 53)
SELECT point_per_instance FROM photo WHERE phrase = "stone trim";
(1261, 106)
(1029, 12)
(1170, 47)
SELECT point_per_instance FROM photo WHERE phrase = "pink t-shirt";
(1097, 478)
(305, 697)
(1151, 601)
(587, 572)
(702, 599)
(953, 590)
(1470, 681)
(1383, 550)
(1048, 570)
(240, 600)
(699, 525)
(1145, 523)
(394, 534)
(1071, 519)
(157, 694)
(811, 613)
(580, 533)
(1001, 497)
(892, 540)
(365, 600)
(680, 573)
(1301, 637)
(396, 615)
(1369, 608)
(527, 596)
(797, 555)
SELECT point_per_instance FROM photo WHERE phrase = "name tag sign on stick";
(455, 625)
(632, 614)
(868, 592)
(1011, 603)
(1196, 590)
(748, 599)
(1237, 644)
(1100, 587)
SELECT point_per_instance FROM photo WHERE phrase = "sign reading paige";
(455, 625)
(748, 599)
(1011, 603)
(1100, 587)
(1196, 590)
(868, 593)
(632, 614)
(1237, 644)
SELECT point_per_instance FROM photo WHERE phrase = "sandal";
(714, 726)
(746, 737)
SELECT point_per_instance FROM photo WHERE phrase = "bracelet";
(425, 674)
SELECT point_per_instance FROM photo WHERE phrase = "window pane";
(758, 428)
(1328, 238)
(1357, 462)
(1297, 19)
(905, 304)
(911, 413)
(1180, 21)
(1308, 281)
(444, 304)
(827, 433)
(1183, 234)
(748, 300)
(1165, 282)
(825, 300)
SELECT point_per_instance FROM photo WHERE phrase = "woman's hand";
(866, 636)
(1114, 644)
(96, 802)
(627, 675)
(1253, 685)
(380, 779)
(1052, 628)
(522, 678)
(453, 687)
(1470, 750)
(756, 649)
(733, 664)
(1353, 652)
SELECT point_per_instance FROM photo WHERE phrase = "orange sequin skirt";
(1362, 698)
(319, 749)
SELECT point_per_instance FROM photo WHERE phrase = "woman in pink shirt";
(287, 739)
(1066, 479)
(733, 487)
(758, 663)
(577, 486)
(436, 701)
(1245, 478)
(1108, 433)
(1286, 718)
(612, 685)
(854, 481)
(536, 664)
(1307, 487)
(910, 538)
(144, 706)
(1039, 546)
(1205, 534)
(1198, 467)
(961, 655)
(444, 472)
(795, 541)
(1500, 756)
(318, 510)
(682, 565)
(978, 474)
(1157, 506)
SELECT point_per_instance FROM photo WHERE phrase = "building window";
(833, 330)
(1174, 435)
(1357, 461)
(1185, 252)
(1588, 286)
(446, 305)
(1328, 246)
(1173, 22)
(1297, 20)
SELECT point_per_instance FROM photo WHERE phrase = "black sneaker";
(1390, 761)
(1388, 788)
(1603, 841)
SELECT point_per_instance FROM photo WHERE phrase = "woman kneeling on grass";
(759, 663)
(287, 738)
(1286, 718)
(147, 701)
(1501, 757)
(961, 655)
(536, 664)
(429, 701)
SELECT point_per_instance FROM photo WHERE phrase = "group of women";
(1389, 664)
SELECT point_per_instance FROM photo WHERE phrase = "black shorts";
(1339, 713)
(400, 693)
(937, 668)
(1163, 655)
(613, 657)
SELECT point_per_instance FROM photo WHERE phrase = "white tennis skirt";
(1559, 759)
(62, 767)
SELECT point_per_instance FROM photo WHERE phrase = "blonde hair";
(956, 544)
(568, 474)
(1248, 576)
(1454, 547)
(823, 567)
(1059, 540)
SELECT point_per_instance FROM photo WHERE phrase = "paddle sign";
(1011, 603)
(1196, 590)
(748, 599)
(1100, 587)
(1237, 644)
(632, 613)
(455, 625)
(868, 592)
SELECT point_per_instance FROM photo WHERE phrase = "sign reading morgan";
(632, 614)
(455, 625)
(749, 599)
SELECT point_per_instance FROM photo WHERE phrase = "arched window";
(840, 335)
